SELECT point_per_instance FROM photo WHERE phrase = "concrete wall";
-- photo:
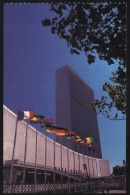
(104, 167)
(9, 124)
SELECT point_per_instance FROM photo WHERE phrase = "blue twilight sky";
(31, 56)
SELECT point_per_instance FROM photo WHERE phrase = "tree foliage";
(96, 28)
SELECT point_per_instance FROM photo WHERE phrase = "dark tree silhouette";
(96, 28)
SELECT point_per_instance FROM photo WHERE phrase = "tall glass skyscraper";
(73, 109)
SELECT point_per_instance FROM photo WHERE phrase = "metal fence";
(44, 188)
(57, 188)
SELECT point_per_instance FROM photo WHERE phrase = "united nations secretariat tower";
(73, 109)
(32, 162)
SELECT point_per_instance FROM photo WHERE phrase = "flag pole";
(92, 161)
(68, 165)
(54, 166)
(96, 162)
(35, 174)
(89, 170)
(83, 158)
(14, 144)
(85, 167)
(45, 157)
(79, 168)
(61, 166)
(74, 165)
(25, 151)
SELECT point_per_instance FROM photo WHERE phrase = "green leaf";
(54, 20)
(53, 29)
(46, 22)
(91, 58)
(74, 51)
